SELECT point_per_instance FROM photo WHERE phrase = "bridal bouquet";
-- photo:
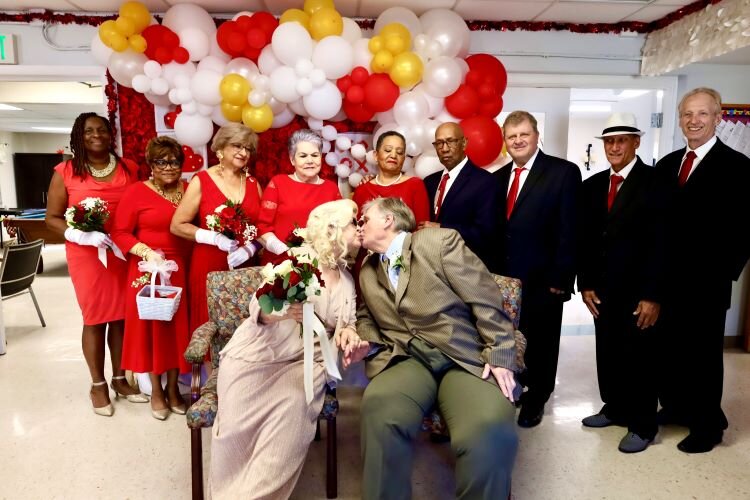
(294, 280)
(89, 215)
(230, 220)
(297, 237)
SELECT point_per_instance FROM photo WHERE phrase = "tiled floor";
(53, 446)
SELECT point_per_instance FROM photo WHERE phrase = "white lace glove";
(216, 239)
(241, 255)
(275, 245)
(88, 238)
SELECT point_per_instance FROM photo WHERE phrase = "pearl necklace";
(377, 180)
(173, 198)
(104, 172)
(317, 179)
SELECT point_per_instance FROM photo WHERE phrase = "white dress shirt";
(700, 153)
(524, 173)
(452, 174)
(622, 173)
(392, 253)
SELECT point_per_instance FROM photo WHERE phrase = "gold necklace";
(174, 197)
(243, 181)
(104, 172)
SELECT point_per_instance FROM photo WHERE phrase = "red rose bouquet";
(89, 215)
(294, 280)
(230, 220)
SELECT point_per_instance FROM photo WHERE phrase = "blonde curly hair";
(325, 230)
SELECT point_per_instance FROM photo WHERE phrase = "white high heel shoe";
(133, 398)
(104, 411)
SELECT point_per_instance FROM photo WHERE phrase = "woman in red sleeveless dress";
(233, 144)
(289, 199)
(142, 229)
(95, 171)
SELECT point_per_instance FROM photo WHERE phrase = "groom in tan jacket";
(435, 313)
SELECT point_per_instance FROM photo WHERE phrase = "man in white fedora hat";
(621, 280)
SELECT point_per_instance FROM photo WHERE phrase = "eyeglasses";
(166, 164)
(239, 147)
(451, 143)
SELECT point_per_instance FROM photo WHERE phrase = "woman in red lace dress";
(141, 228)
(234, 145)
(95, 171)
(289, 199)
(391, 182)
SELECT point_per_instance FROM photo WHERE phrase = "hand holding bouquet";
(294, 280)
(86, 227)
(230, 220)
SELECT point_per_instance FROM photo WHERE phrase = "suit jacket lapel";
(405, 273)
(536, 173)
(455, 191)
(628, 188)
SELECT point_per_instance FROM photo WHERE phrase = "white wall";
(40, 143)
(553, 103)
(7, 179)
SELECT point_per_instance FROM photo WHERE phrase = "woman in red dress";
(289, 199)
(230, 180)
(95, 171)
(142, 229)
(391, 182)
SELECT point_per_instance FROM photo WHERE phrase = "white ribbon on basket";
(115, 250)
(163, 268)
(312, 326)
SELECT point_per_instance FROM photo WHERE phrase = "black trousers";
(691, 379)
(541, 318)
(625, 364)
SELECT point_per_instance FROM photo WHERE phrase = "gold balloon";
(231, 112)
(396, 29)
(137, 43)
(296, 16)
(234, 89)
(375, 44)
(381, 61)
(137, 13)
(125, 26)
(326, 22)
(117, 42)
(395, 44)
(406, 70)
(107, 29)
(313, 6)
(259, 119)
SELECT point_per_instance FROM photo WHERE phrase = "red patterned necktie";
(441, 191)
(687, 166)
(513, 193)
(614, 181)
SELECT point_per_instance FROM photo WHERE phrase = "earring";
(220, 155)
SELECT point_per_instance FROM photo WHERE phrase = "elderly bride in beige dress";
(264, 426)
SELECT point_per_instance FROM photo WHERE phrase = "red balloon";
(187, 151)
(198, 160)
(222, 36)
(380, 92)
(181, 55)
(344, 83)
(358, 112)
(359, 75)
(266, 23)
(355, 94)
(252, 53)
(486, 91)
(473, 78)
(489, 66)
(463, 103)
(242, 23)
(169, 119)
(256, 38)
(485, 139)
(162, 55)
(236, 43)
(491, 107)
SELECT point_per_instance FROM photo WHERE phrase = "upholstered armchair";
(229, 295)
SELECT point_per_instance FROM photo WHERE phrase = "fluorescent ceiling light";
(53, 129)
(590, 108)
(8, 107)
(631, 93)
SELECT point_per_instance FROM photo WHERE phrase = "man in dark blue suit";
(621, 279)
(538, 238)
(464, 197)
(709, 245)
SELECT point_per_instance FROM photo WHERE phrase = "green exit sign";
(8, 49)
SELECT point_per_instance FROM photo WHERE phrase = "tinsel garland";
(638, 27)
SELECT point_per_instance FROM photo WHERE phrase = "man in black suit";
(709, 245)
(464, 196)
(538, 238)
(620, 277)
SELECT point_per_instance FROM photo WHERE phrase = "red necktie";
(441, 191)
(513, 193)
(614, 181)
(687, 166)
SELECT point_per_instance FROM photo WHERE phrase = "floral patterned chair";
(229, 295)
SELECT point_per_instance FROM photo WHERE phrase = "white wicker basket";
(153, 307)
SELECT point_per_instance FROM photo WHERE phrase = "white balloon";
(284, 82)
(190, 108)
(283, 118)
(343, 143)
(184, 94)
(215, 51)
(435, 104)
(449, 29)
(352, 32)
(205, 109)
(317, 77)
(276, 105)
(123, 66)
(171, 70)
(413, 149)
(410, 108)
(444, 116)
(463, 65)
(340, 116)
(205, 87)
(429, 128)
(385, 117)
(212, 63)
(242, 13)
(427, 164)
(267, 61)
(303, 67)
(385, 128)
(408, 166)
(442, 76)
(335, 56)
(261, 82)
(196, 42)
(193, 130)
(256, 98)
(399, 15)
(304, 86)
(362, 54)
(158, 100)
(314, 123)
(420, 42)
(332, 159)
(326, 147)
(181, 81)
(186, 15)
(152, 69)
(298, 107)
(355, 179)
(218, 117)
(159, 86)
(99, 51)
(329, 133)
(323, 102)
(241, 66)
(291, 42)
(371, 158)
(141, 83)
(358, 152)
(343, 170)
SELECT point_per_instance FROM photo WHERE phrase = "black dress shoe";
(699, 442)
(530, 415)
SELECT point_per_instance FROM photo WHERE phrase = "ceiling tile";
(587, 12)
(491, 10)
(153, 6)
(372, 8)
(651, 13)
(12, 5)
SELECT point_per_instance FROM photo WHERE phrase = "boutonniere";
(398, 264)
